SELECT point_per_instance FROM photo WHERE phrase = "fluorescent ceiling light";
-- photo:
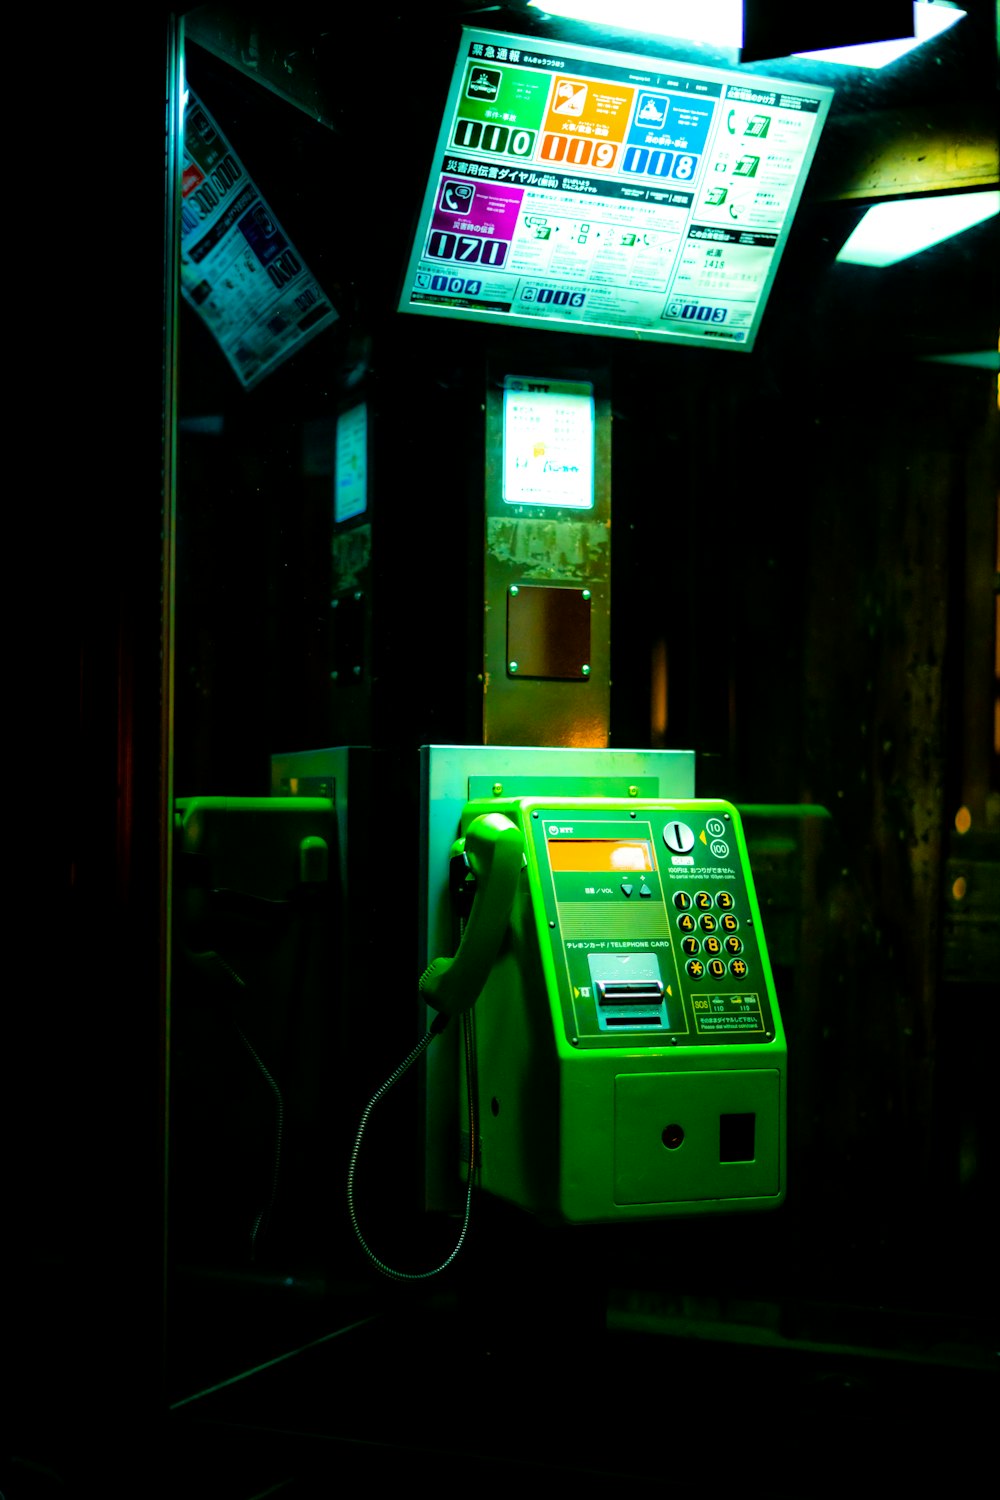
(719, 23)
(979, 359)
(929, 21)
(893, 231)
(714, 22)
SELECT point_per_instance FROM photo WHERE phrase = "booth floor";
(421, 1393)
(520, 1369)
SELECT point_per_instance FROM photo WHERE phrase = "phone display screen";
(611, 856)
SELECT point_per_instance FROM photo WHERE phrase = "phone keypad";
(719, 949)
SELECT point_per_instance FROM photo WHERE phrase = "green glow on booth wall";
(719, 23)
(894, 231)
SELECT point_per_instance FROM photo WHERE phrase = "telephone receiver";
(493, 848)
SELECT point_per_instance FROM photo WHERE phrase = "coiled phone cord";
(208, 963)
(263, 1218)
(438, 1026)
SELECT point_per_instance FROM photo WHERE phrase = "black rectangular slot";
(629, 994)
(736, 1137)
(643, 1020)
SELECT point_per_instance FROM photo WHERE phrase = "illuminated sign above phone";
(548, 443)
(605, 192)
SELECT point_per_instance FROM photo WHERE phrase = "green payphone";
(628, 1057)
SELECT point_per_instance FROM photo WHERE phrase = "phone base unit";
(629, 1057)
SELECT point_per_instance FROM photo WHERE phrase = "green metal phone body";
(630, 1061)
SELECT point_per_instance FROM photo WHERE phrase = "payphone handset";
(493, 850)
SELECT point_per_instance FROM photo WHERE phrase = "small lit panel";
(548, 443)
(350, 484)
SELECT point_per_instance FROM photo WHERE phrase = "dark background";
(809, 534)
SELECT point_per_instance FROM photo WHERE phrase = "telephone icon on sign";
(457, 197)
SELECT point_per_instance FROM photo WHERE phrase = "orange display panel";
(613, 856)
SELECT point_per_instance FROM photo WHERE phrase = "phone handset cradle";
(493, 851)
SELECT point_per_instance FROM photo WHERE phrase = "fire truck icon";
(569, 97)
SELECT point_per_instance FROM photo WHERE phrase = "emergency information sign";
(610, 193)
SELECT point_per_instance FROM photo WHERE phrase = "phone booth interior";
(599, 592)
